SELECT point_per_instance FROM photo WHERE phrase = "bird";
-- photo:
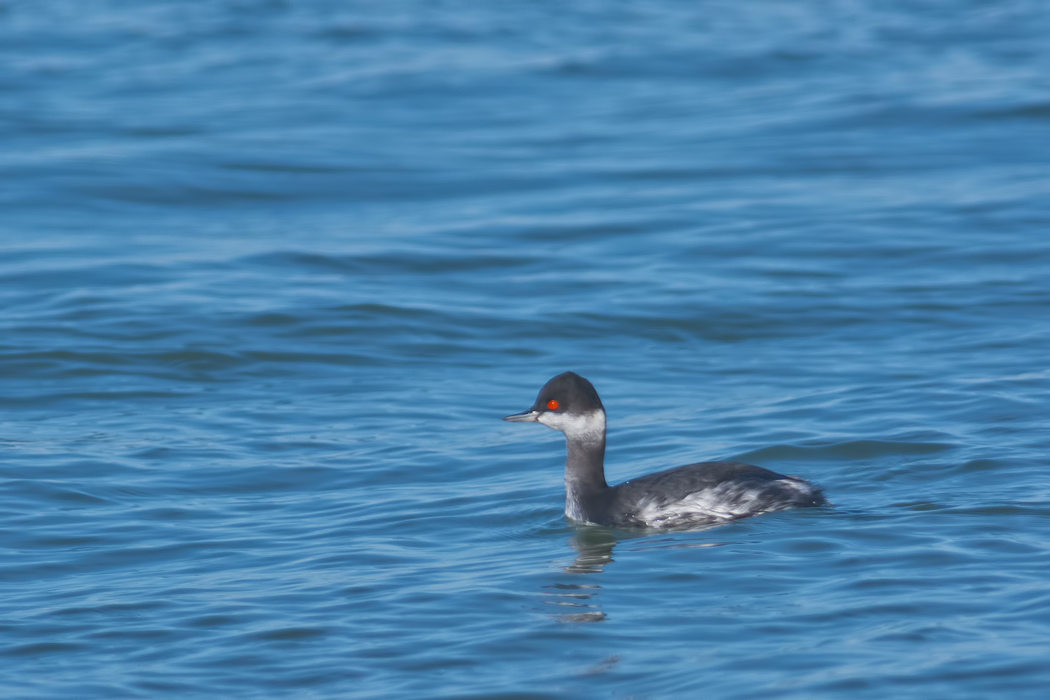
(689, 496)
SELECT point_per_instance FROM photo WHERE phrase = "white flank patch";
(726, 501)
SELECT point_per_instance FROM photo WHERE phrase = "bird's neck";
(585, 466)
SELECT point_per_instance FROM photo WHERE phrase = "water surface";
(270, 274)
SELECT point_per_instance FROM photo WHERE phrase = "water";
(270, 274)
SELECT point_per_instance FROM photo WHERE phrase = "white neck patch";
(585, 427)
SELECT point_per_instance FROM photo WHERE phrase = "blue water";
(271, 272)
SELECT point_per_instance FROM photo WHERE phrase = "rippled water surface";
(271, 273)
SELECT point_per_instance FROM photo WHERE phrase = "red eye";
(553, 405)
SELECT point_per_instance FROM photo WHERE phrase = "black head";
(567, 394)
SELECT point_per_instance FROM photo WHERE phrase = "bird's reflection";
(594, 547)
(594, 551)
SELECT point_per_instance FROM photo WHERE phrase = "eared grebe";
(694, 495)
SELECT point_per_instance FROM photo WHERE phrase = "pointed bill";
(529, 416)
